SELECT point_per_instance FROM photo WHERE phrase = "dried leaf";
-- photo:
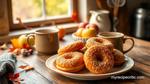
(11, 49)
(4, 46)
(26, 67)
(13, 76)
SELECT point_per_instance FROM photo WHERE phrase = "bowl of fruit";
(85, 31)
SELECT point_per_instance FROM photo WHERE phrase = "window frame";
(58, 20)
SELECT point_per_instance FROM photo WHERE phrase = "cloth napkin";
(7, 65)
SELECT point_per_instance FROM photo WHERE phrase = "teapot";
(101, 19)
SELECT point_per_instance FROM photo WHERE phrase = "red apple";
(91, 30)
(83, 25)
(93, 26)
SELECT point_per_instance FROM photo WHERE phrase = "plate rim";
(67, 74)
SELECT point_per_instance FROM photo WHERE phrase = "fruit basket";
(85, 31)
(79, 38)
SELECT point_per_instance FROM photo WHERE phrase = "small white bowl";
(76, 38)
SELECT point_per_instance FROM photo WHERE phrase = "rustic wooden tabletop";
(42, 75)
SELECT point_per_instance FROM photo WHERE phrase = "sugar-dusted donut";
(99, 41)
(70, 62)
(75, 46)
(119, 57)
(98, 59)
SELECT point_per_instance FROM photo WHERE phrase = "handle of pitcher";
(98, 18)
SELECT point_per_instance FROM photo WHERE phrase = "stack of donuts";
(97, 55)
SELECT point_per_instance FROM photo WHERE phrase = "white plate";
(86, 75)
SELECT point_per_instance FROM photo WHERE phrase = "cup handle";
(98, 18)
(129, 38)
(30, 35)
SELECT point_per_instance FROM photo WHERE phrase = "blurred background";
(36, 9)
(133, 16)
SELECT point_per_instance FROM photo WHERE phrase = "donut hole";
(99, 57)
(68, 57)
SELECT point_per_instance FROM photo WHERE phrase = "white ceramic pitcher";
(101, 19)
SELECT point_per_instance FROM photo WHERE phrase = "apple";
(82, 25)
(89, 32)
(22, 40)
(79, 32)
(31, 41)
(93, 26)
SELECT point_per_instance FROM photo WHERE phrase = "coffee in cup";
(117, 39)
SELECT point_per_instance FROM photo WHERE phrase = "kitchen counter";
(140, 54)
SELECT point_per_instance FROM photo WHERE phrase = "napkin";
(7, 65)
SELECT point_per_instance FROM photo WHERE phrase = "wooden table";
(140, 53)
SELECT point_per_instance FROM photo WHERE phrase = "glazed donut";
(98, 59)
(119, 57)
(75, 46)
(99, 41)
(70, 62)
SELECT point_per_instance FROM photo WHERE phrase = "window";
(41, 12)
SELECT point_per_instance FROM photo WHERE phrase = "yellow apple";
(31, 41)
(89, 32)
(79, 32)
(22, 40)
